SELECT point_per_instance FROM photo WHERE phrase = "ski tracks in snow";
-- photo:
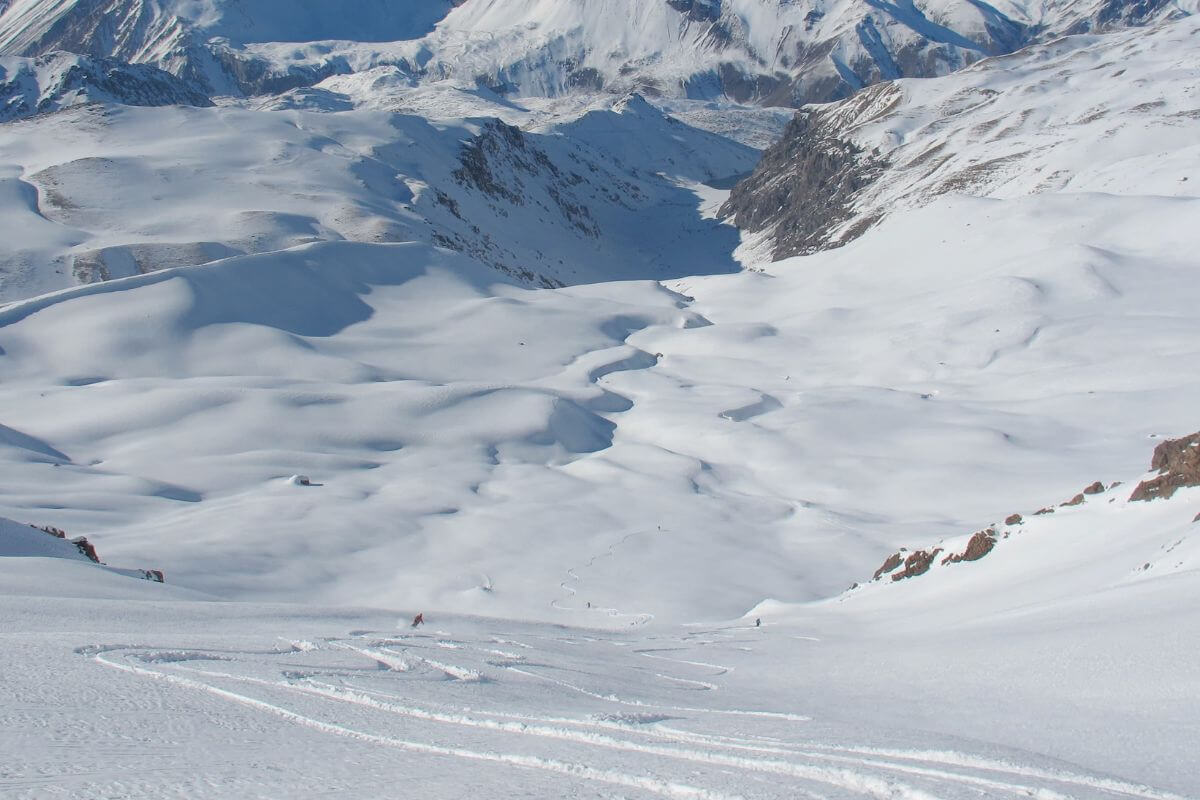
(554, 710)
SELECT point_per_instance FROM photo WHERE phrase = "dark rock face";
(979, 546)
(1178, 465)
(1095, 488)
(74, 77)
(1074, 501)
(802, 189)
(698, 10)
(1013, 519)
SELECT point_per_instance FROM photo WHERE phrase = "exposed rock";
(1046, 510)
(979, 546)
(918, 563)
(1013, 519)
(890, 564)
(1095, 488)
(60, 80)
(1178, 465)
(801, 192)
(86, 548)
(1074, 501)
(155, 575)
(81, 543)
(1196, 518)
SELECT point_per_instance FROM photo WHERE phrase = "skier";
(419, 619)
(757, 622)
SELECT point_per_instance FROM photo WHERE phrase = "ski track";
(573, 576)
(874, 772)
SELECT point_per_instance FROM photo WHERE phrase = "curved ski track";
(381, 690)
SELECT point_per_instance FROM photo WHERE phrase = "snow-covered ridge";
(31, 541)
(60, 80)
(1115, 530)
(598, 186)
(1117, 113)
(768, 51)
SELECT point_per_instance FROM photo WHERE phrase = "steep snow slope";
(98, 193)
(1118, 114)
(969, 350)
(199, 40)
(60, 80)
(750, 50)
(529, 453)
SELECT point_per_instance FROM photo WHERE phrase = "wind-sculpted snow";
(97, 193)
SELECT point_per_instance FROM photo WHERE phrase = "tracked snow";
(379, 340)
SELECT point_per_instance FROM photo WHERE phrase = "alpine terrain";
(699, 399)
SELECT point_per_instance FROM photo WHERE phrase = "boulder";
(918, 563)
(1178, 465)
(979, 546)
(890, 564)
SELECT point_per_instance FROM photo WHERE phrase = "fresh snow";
(234, 347)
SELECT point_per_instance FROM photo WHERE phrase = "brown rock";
(890, 564)
(1013, 519)
(918, 563)
(1178, 465)
(980, 545)
(1074, 501)
(1095, 488)
(86, 548)
(1046, 510)
(155, 575)
(57, 533)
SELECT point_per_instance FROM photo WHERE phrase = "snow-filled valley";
(330, 353)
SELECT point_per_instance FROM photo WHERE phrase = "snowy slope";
(216, 182)
(749, 50)
(60, 80)
(630, 507)
(1118, 114)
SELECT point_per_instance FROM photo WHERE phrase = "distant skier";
(757, 622)
(419, 619)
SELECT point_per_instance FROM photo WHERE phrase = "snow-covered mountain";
(1114, 114)
(764, 51)
(446, 320)
(602, 186)
(60, 80)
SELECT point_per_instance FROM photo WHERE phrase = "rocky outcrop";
(979, 546)
(88, 550)
(888, 565)
(1178, 465)
(60, 80)
(802, 190)
(81, 542)
(917, 563)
